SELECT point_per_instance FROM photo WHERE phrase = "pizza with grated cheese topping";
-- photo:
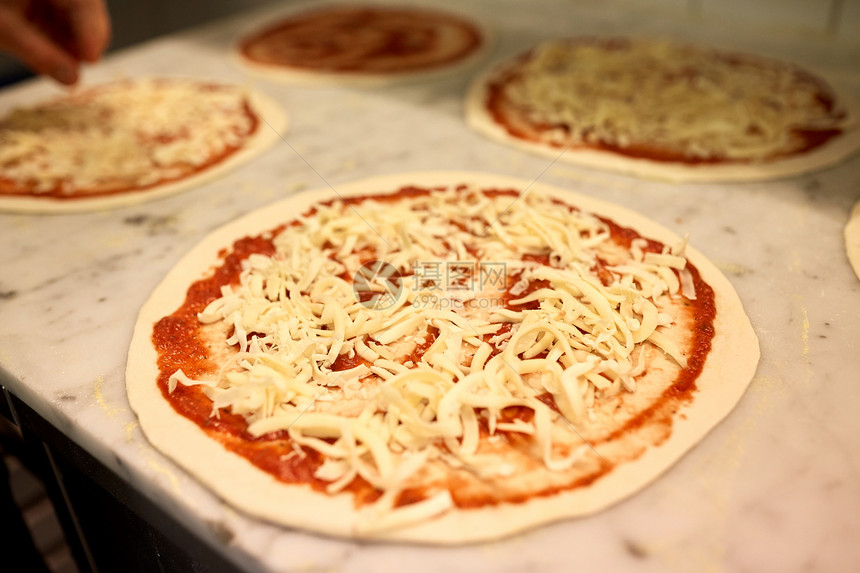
(436, 357)
(364, 45)
(128, 141)
(663, 109)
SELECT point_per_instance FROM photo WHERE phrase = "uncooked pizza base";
(852, 238)
(273, 120)
(834, 151)
(304, 78)
(731, 364)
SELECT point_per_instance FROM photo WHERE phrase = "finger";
(38, 52)
(90, 26)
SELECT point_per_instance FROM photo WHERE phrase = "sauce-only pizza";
(664, 109)
(364, 44)
(415, 360)
(127, 141)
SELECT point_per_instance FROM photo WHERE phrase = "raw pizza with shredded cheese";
(436, 357)
(362, 45)
(663, 109)
(128, 141)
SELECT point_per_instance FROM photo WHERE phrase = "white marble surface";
(772, 488)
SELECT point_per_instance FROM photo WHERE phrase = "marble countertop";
(774, 487)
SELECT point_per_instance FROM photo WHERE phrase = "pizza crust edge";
(852, 239)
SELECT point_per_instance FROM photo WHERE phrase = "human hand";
(53, 37)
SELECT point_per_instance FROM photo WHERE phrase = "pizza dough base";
(852, 239)
(834, 151)
(730, 367)
(305, 78)
(268, 111)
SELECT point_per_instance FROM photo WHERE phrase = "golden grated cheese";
(668, 97)
(126, 134)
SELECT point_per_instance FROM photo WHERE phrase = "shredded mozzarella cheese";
(293, 316)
